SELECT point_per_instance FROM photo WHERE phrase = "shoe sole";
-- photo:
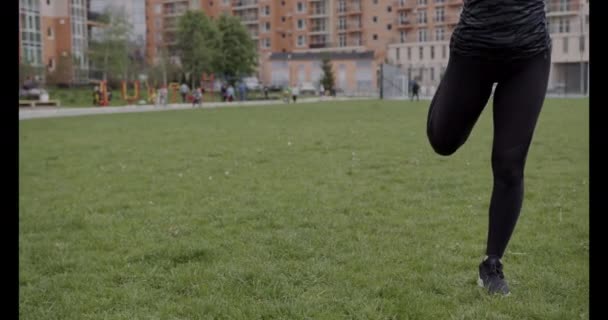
(480, 284)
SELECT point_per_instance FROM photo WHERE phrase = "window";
(375, 1)
(266, 43)
(432, 70)
(342, 6)
(422, 35)
(432, 52)
(581, 44)
(158, 9)
(564, 25)
(301, 41)
(389, 9)
(266, 11)
(342, 40)
(375, 19)
(439, 14)
(300, 7)
(440, 34)
(49, 32)
(421, 53)
(402, 36)
(282, 19)
(409, 53)
(301, 24)
(48, 2)
(375, 37)
(397, 54)
(444, 51)
(342, 23)
(421, 16)
(283, 35)
(389, 26)
(565, 45)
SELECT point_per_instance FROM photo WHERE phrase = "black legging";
(518, 98)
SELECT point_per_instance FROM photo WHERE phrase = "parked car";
(307, 87)
(252, 83)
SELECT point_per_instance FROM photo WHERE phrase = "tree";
(25, 70)
(111, 46)
(197, 44)
(328, 74)
(238, 54)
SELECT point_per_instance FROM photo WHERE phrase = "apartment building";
(568, 22)
(426, 27)
(422, 49)
(50, 29)
(412, 34)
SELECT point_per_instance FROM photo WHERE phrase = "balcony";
(557, 10)
(318, 30)
(318, 13)
(402, 5)
(404, 24)
(319, 45)
(454, 2)
(244, 4)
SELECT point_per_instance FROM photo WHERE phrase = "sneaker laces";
(495, 269)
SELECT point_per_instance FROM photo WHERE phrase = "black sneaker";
(491, 276)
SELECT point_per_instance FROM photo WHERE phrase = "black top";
(501, 29)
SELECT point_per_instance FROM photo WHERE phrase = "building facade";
(411, 34)
(50, 29)
(423, 48)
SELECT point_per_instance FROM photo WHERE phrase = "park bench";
(38, 103)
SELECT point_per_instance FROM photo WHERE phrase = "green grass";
(317, 211)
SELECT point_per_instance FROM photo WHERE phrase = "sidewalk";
(43, 112)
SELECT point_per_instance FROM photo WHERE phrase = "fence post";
(381, 81)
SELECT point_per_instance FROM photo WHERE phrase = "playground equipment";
(133, 98)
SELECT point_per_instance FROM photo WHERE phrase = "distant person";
(286, 94)
(415, 91)
(183, 90)
(230, 93)
(266, 92)
(321, 90)
(162, 95)
(197, 97)
(242, 90)
(223, 92)
(295, 92)
(96, 96)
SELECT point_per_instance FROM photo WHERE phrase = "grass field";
(313, 211)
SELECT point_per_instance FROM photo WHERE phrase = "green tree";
(25, 70)
(328, 74)
(110, 47)
(238, 54)
(197, 44)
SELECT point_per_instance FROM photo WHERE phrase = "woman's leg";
(517, 104)
(461, 96)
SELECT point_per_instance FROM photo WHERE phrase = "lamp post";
(582, 47)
